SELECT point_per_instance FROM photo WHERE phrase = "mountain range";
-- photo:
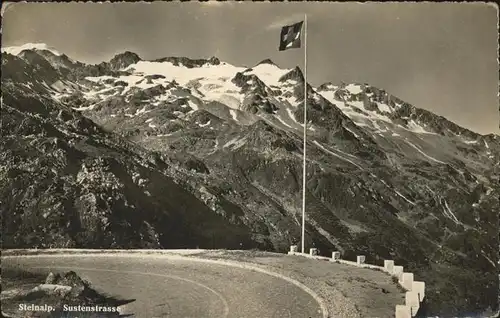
(198, 153)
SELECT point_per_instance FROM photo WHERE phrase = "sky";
(438, 56)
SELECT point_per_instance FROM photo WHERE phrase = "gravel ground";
(347, 291)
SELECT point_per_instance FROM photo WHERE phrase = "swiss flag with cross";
(290, 36)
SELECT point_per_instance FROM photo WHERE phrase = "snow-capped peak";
(354, 88)
(327, 87)
(16, 50)
(182, 74)
(270, 74)
(267, 61)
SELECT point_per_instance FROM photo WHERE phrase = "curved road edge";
(238, 264)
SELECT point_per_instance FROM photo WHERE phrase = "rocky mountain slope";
(179, 152)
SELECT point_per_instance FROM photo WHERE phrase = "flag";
(290, 36)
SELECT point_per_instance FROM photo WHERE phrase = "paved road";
(177, 288)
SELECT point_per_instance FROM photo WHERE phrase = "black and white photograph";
(250, 159)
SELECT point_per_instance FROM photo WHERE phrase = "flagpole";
(305, 143)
